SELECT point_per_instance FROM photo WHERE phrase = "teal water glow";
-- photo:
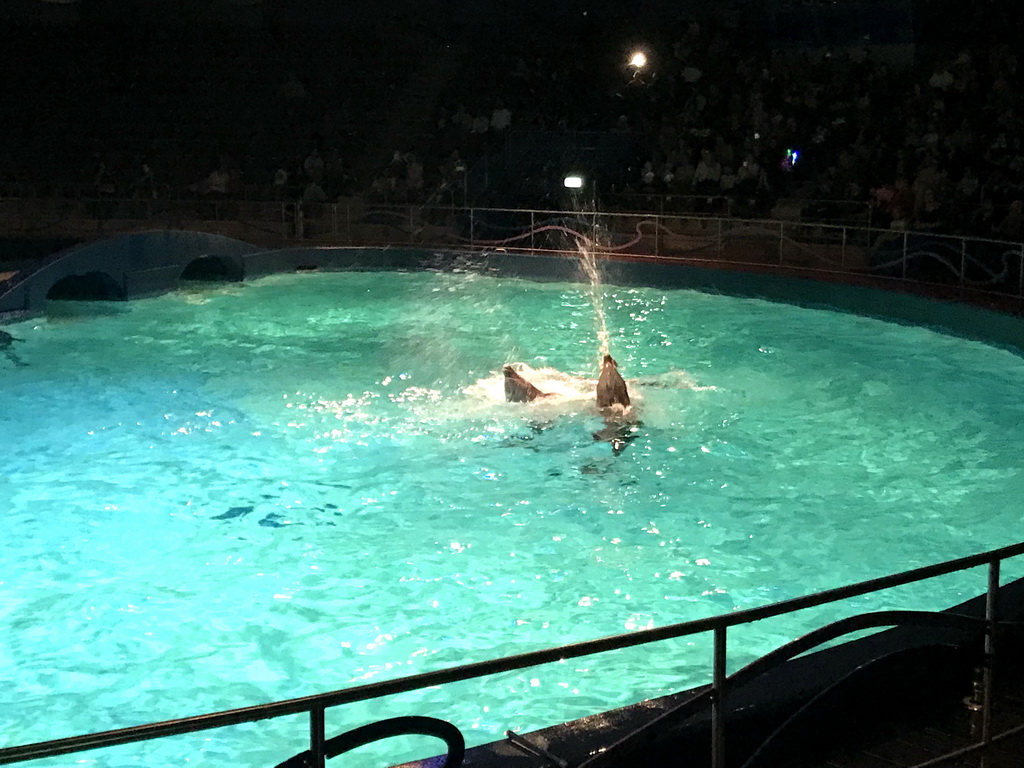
(223, 497)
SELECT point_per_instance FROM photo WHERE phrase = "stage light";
(573, 181)
(638, 60)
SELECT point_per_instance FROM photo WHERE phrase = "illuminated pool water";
(224, 497)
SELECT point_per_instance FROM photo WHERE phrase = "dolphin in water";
(518, 389)
(620, 426)
(6, 344)
(611, 388)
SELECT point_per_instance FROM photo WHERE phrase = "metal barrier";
(315, 706)
(964, 266)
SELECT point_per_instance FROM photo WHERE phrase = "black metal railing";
(980, 266)
(316, 705)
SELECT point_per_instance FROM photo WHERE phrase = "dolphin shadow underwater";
(6, 344)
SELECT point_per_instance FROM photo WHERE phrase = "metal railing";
(315, 706)
(958, 265)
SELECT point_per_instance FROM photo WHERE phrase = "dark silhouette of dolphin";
(518, 389)
(6, 342)
(619, 433)
(611, 389)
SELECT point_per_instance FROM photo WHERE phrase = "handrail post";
(472, 237)
(317, 751)
(842, 262)
(904, 255)
(718, 701)
(721, 239)
(782, 236)
(963, 261)
(533, 232)
(1020, 274)
(991, 598)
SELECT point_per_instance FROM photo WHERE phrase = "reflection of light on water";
(203, 293)
(417, 395)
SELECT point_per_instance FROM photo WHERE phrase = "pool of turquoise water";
(236, 494)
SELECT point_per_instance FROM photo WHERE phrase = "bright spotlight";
(638, 60)
(573, 182)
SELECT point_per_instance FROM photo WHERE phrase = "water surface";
(228, 496)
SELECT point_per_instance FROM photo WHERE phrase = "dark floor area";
(904, 709)
(947, 725)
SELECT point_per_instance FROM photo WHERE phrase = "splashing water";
(588, 264)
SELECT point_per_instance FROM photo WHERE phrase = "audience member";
(313, 166)
(501, 118)
(217, 183)
(144, 186)
(279, 186)
(1012, 225)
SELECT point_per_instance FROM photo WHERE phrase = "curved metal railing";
(316, 705)
(968, 269)
(714, 697)
(979, 265)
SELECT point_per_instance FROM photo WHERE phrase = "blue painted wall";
(140, 264)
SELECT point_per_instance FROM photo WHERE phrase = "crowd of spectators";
(170, 112)
(932, 143)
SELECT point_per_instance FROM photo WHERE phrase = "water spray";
(588, 263)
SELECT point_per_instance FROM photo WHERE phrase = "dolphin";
(6, 342)
(620, 424)
(611, 389)
(518, 389)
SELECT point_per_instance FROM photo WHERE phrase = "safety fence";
(623, 751)
(969, 265)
